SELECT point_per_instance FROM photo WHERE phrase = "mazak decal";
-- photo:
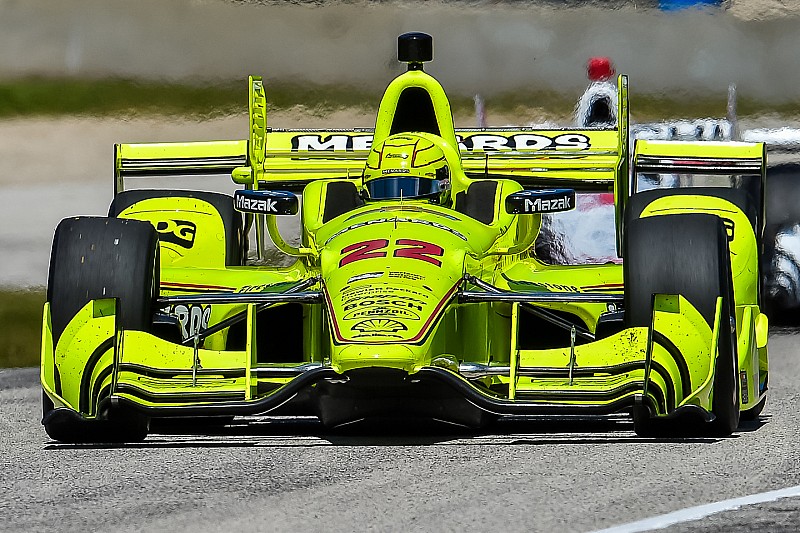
(261, 205)
(542, 205)
(192, 318)
(180, 232)
(540, 201)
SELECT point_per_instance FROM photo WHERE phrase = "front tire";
(92, 258)
(685, 254)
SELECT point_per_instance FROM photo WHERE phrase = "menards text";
(478, 142)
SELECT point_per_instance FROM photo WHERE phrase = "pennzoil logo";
(379, 325)
(385, 312)
(180, 232)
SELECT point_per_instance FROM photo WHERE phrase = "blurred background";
(501, 49)
(77, 76)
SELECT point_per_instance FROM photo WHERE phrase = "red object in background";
(606, 198)
(593, 200)
(599, 69)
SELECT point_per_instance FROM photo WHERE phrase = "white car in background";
(780, 267)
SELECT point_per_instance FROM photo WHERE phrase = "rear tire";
(96, 257)
(685, 254)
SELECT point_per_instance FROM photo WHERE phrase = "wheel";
(685, 254)
(97, 257)
(235, 234)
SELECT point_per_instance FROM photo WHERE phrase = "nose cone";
(388, 311)
(397, 356)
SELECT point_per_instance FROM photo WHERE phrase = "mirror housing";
(242, 175)
(540, 201)
(265, 202)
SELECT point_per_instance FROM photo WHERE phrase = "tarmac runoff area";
(52, 168)
(290, 474)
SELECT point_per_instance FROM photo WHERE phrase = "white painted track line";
(701, 511)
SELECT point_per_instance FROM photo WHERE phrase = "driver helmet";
(407, 166)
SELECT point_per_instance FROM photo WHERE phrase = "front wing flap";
(667, 366)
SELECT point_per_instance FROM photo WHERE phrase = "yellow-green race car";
(415, 287)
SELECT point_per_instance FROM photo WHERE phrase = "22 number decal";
(408, 248)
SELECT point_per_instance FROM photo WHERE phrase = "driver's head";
(407, 166)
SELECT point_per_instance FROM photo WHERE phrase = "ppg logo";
(729, 228)
(180, 232)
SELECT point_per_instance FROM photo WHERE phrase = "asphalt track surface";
(258, 475)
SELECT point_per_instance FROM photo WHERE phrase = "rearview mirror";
(265, 202)
(540, 201)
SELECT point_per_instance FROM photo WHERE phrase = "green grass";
(20, 327)
(104, 97)
(48, 97)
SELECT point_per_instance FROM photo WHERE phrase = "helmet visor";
(395, 187)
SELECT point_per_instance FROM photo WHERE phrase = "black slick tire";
(685, 254)
(98, 257)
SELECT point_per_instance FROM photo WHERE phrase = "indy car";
(780, 269)
(414, 289)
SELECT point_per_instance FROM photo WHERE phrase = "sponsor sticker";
(261, 205)
(478, 142)
(540, 201)
(745, 391)
(192, 318)
(366, 275)
(180, 232)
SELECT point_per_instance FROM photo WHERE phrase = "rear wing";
(534, 157)
(290, 159)
(704, 158)
(165, 159)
